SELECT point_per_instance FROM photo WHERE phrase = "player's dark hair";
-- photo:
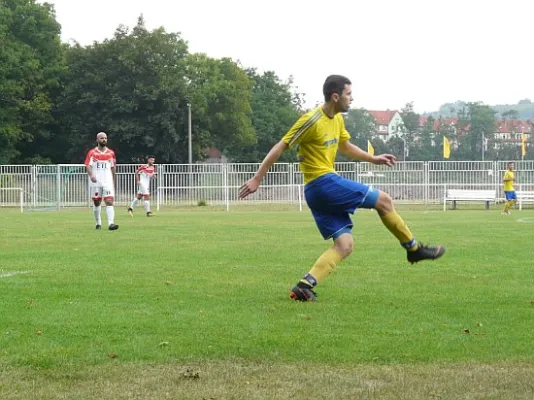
(150, 156)
(334, 84)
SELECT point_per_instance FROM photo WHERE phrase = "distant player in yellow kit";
(509, 191)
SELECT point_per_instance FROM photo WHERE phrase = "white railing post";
(34, 186)
(299, 187)
(445, 198)
(520, 198)
(291, 182)
(426, 181)
(224, 171)
(58, 186)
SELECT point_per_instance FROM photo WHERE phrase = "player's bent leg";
(324, 266)
(135, 200)
(395, 224)
(393, 221)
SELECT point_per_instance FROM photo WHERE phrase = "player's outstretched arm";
(354, 151)
(252, 184)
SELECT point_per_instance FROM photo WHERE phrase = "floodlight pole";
(189, 133)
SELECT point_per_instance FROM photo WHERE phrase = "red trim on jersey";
(108, 197)
(147, 169)
(96, 155)
(96, 198)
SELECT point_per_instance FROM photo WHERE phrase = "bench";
(455, 195)
(524, 196)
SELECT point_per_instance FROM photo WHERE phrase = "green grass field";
(194, 305)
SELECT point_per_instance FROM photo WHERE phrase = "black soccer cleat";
(98, 227)
(113, 227)
(425, 253)
(302, 294)
(149, 214)
(130, 211)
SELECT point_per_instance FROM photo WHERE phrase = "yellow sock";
(508, 205)
(396, 225)
(324, 265)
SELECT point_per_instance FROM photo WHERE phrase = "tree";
(30, 61)
(477, 120)
(411, 128)
(220, 91)
(510, 114)
(410, 118)
(428, 146)
(275, 108)
(361, 126)
(131, 86)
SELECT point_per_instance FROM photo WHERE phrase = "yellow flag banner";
(523, 144)
(370, 148)
(446, 147)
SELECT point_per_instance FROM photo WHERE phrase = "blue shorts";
(510, 195)
(332, 198)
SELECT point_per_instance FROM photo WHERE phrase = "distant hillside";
(525, 110)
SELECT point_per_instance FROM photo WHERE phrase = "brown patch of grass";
(242, 380)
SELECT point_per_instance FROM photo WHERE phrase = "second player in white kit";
(143, 176)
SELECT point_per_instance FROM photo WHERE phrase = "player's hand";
(93, 178)
(248, 188)
(385, 159)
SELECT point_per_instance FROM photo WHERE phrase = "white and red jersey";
(146, 173)
(101, 163)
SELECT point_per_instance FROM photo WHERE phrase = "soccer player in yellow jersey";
(509, 191)
(319, 134)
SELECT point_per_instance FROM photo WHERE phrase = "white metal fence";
(58, 186)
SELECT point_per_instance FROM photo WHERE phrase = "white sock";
(110, 211)
(147, 205)
(97, 210)
(134, 202)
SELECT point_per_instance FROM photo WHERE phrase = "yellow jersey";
(317, 137)
(509, 186)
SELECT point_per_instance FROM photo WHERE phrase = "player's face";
(151, 161)
(511, 166)
(102, 140)
(345, 99)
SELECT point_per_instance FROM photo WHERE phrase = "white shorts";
(100, 191)
(143, 191)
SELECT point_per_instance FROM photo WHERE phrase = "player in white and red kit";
(100, 164)
(143, 176)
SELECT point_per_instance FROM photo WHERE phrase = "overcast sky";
(394, 51)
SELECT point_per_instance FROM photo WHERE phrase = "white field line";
(528, 220)
(13, 273)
